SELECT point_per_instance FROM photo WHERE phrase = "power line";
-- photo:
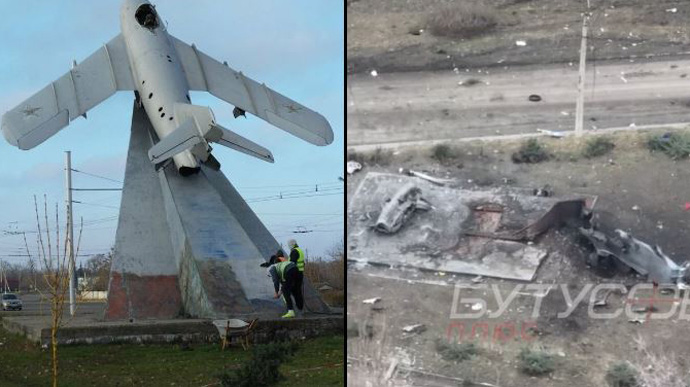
(303, 194)
(289, 185)
(98, 176)
(95, 205)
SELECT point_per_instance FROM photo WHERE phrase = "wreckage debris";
(371, 301)
(352, 167)
(543, 192)
(416, 328)
(424, 176)
(399, 209)
(635, 254)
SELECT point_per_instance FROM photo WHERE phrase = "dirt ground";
(640, 192)
(385, 35)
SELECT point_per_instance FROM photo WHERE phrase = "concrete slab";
(188, 246)
(91, 331)
(466, 231)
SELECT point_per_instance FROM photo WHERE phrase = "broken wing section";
(207, 74)
(70, 96)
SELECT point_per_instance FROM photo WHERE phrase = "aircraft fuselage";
(157, 73)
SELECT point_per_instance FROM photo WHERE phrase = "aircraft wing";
(207, 74)
(86, 85)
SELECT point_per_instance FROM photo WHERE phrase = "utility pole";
(70, 231)
(579, 110)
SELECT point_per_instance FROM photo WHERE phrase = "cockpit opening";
(146, 17)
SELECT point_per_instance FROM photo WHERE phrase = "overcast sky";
(295, 47)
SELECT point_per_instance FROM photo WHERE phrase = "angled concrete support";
(188, 246)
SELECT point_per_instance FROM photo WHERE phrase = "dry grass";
(462, 20)
(366, 355)
(658, 370)
(329, 272)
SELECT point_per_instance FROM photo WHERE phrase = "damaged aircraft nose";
(399, 208)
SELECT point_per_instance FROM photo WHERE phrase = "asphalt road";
(34, 305)
(409, 107)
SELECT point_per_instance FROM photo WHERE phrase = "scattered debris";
(398, 209)
(371, 300)
(469, 82)
(603, 298)
(391, 369)
(520, 43)
(353, 166)
(534, 98)
(645, 309)
(477, 306)
(551, 133)
(424, 176)
(416, 328)
(544, 192)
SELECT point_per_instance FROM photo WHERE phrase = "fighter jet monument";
(187, 244)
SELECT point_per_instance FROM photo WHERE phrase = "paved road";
(33, 305)
(410, 107)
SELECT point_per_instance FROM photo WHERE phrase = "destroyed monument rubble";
(481, 232)
(476, 232)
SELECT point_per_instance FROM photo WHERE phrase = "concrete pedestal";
(188, 246)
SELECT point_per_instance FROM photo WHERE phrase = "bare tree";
(98, 268)
(54, 263)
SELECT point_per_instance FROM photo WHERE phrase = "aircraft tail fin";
(235, 141)
(196, 128)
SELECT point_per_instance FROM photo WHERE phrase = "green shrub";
(380, 157)
(621, 375)
(462, 20)
(261, 369)
(535, 362)
(443, 153)
(674, 145)
(456, 352)
(530, 152)
(352, 155)
(598, 146)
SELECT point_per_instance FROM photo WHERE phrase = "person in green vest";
(297, 256)
(285, 275)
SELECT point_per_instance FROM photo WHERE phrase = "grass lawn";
(318, 362)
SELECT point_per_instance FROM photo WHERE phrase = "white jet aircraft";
(161, 70)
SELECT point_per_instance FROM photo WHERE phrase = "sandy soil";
(584, 348)
(379, 33)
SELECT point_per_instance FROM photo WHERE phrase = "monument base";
(188, 246)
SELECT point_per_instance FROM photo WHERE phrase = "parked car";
(10, 301)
